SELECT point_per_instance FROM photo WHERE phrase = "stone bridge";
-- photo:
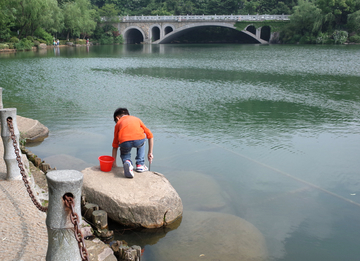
(164, 29)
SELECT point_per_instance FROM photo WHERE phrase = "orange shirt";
(130, 128)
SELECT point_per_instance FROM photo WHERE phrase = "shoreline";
(47, 47)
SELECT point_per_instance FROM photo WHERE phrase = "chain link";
(74, 218)
(21, 167)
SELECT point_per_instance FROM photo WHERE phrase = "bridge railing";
(181, 18)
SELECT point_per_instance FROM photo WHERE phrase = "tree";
(6, 19)
(79, 18)
(338, 9)
(353, 21)
(109, 11)
(305, 23)
(29, 15)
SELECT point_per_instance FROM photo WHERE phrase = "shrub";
(106, 39)
(322, 38)
(355, 38)
(42, 34)
(4, 46)
(30, 38)
(36, 43)
(80, 41)
(14, 39)
(24, 44)
(340, 37)
(119, 39)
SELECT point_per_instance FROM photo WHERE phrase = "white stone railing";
(181, 18)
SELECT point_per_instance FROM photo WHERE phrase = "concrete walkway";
(23, 233)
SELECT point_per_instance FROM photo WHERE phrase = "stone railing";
(181, 18)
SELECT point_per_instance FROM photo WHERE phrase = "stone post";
(12, 168)
(62, 244)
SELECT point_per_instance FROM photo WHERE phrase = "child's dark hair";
(119, 112)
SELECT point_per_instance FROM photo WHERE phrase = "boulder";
(99, 251)
(64, 161)
(148, 200)
(208, 194)
(212, 236)
(42, 46)
(31, 130)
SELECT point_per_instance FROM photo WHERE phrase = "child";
(130, 132)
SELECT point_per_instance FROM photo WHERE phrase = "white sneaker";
(141, 168)
(128, 169)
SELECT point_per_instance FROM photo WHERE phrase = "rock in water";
(31, 130)
(148, 200)
(212, 236)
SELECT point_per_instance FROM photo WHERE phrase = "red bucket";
(106, 163)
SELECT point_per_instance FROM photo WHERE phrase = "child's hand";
(114, 164)
(150, 157)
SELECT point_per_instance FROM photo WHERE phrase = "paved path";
(23, 233)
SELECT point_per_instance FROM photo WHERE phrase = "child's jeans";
(125, 151)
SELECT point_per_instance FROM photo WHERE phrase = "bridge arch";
(251, 28)
(155, 32)
(182, 30)
(265, 33)
(133, 35)
(168, 28)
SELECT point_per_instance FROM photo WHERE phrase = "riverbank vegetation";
(24, 24)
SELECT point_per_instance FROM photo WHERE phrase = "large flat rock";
(148, 200)
(31, 130)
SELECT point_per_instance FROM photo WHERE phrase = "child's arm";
(114, 154)
(150, 153)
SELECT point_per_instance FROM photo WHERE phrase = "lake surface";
(266, 133)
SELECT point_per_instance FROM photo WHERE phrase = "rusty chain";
(21, 167)
(69, 202)
(74, 218)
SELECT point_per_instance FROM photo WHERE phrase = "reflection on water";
(267, 135)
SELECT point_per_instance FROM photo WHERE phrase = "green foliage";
(80, 41)
(306, 21)
(119, 39)
(322, 38)
(354, 38)
(30, 38)
(110, 12)
(42, 34)
(14, 39)
(338, 9)
(106, 39)
(36, 43)
(107, 34)
(6, 20)
(79, 18)
(353, 21)
(29, 15)
(4, 46)
(24, 44)
(340, 37)
(307, 39)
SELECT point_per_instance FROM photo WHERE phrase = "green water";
(269, 134)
